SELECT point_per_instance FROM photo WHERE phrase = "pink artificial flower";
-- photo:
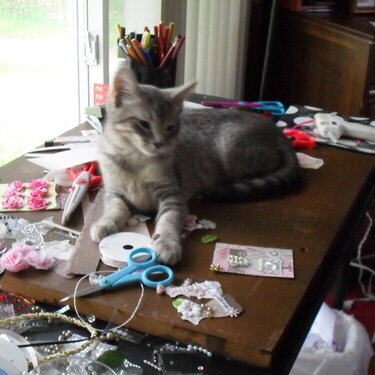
(39, 259)
(38, 191)
(16, 186)
(11, 193)
(13, 201)
(39, 182)
(37, 203)
(22, 248)
(14, 261)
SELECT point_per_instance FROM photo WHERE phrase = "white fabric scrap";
(306, 161)
(58, 249)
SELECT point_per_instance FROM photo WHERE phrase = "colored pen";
(123, 46)
(138, 50)
(178, 47)
(118, 29)
(160, 42)
(68, 139)
(165, 39)
(168, 55)
(170, 33)
(146, 38)
(276, 108)
(122, 32)
(132, 53)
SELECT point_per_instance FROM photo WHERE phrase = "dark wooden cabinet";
(323, 60)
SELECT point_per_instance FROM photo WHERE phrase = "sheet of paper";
(66, 159)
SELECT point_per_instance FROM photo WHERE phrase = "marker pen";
(60, 141)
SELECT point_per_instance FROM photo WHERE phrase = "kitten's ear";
(124, 87)
(181, 93)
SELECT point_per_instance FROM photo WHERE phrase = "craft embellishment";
(219, 305)
(15, 321)
(253, 260)
(38, 194)
(22, 256)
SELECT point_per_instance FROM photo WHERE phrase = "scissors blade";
(83, 292)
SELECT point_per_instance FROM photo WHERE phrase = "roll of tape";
(115, 248)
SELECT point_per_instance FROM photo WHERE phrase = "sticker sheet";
(31, 196)
(253, 260)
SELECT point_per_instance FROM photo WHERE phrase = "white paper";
(79, 155)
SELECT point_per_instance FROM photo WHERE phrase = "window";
(38, 73)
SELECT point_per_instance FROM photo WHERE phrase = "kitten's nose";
(158, 144)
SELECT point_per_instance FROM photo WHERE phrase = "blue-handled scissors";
(129, 274)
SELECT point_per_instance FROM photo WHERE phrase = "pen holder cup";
(150, 75)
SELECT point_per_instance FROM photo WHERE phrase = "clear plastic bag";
(349, 353)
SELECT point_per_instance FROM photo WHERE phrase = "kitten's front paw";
(169, 251)
(103, 228)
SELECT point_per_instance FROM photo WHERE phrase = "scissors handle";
(300, 138)
(144, 277)
(157, 269)
(115, 278)
(276, 108)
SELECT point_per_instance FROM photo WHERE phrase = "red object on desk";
(89, 167)
(300, 139)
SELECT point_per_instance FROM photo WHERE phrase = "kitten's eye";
(144, 124)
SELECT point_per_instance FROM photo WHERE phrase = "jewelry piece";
(205, 289)
(128, 364)
(154, 366)
(238, 261)
(9, 322)
(216, 267)
(32, 236)
(272, 264)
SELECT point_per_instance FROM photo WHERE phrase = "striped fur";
(154, 157)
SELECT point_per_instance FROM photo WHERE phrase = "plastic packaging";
(3, 233)
(337, 344)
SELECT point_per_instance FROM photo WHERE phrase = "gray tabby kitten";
(155, 156)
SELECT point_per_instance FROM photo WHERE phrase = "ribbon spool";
(115, 248)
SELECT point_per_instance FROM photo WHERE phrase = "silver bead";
(91, 318)
(110, 336)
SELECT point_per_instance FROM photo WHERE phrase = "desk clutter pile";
(44, 339)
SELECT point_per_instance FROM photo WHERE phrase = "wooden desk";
(317, 223)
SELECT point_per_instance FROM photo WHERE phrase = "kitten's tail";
(249, 188)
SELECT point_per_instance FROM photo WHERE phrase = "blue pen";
(147, 55)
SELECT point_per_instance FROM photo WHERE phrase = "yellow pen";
(146, 38)
(170, 33)
(118, 29)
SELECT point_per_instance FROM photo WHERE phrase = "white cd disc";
(116, 247)
(11, 358)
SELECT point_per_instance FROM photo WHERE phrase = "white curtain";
(216, 46)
